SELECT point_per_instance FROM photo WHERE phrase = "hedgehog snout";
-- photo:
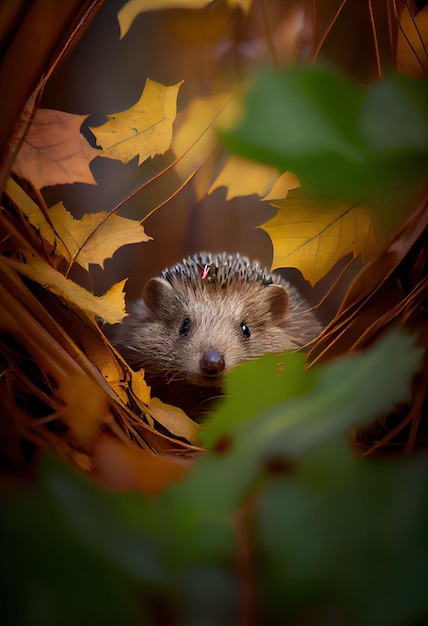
(212, 363)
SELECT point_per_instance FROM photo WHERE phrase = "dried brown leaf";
(54, 151)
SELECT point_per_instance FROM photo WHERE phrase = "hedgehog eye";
(245, 330)
(185, 327)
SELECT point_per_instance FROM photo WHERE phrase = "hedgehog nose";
(212, 363)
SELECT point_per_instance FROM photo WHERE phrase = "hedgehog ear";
(156, 292)
(278, 302)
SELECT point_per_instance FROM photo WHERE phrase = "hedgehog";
(204, 316)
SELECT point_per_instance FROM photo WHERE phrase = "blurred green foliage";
(330, 538)
(343, 141)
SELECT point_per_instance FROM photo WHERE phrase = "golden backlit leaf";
(133, 8)
(145, 129)
(242, 177)
(54, 151)
(313, 237)
(110, 306)
(92, 239)
(96, 236)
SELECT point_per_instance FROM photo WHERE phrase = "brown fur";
(212, 295)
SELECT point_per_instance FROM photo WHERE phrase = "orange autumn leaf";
(54, 151)
(145, 129)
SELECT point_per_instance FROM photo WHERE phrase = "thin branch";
(375, 41)
(327, 32)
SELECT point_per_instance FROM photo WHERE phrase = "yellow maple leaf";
(92, 239)
(110, 306)
(96, 236)
(133, 8)
(145, 129)
(313, 237)
(242, 177)
(54, 151)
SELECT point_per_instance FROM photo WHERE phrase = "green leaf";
(345, 540)
(74, 554)
(342, 140)
(255, 386)
(338, 396)
(48, 576)
(350, 391)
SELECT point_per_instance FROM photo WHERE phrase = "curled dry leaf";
(54, 151)
(145, 129)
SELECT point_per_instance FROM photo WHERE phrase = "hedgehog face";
(206, 329)
(203, 317)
